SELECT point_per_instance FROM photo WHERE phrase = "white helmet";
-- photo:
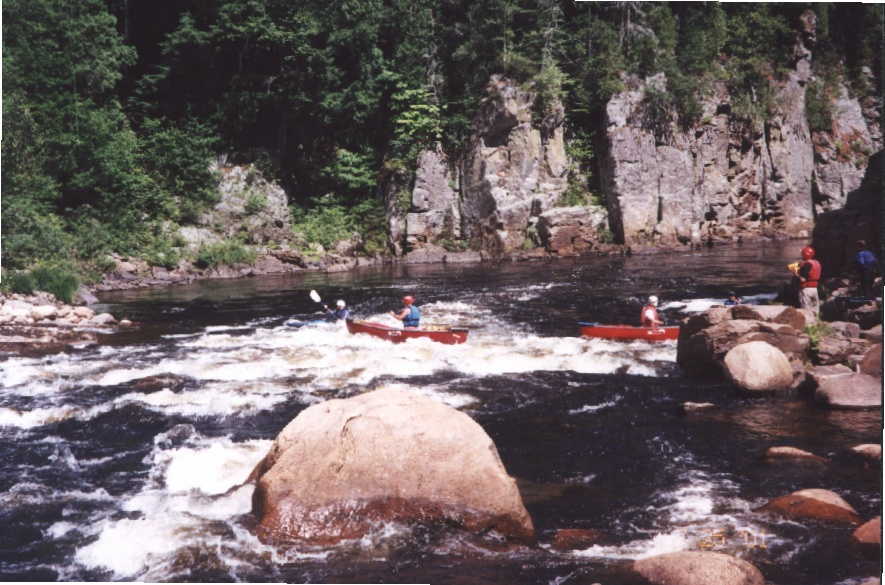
(339, 303)
(653, 300)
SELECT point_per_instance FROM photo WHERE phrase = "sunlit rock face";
(515, 167)
(725, 177)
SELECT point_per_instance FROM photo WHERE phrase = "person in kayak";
(340, 313)
(808, 275)
(649, 316)
(409, 314)
(733, 299)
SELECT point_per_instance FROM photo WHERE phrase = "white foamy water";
(702, 513)
(240, 370)
(193, 489)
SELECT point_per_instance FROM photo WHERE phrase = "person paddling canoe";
(409, 314)
(649, 316)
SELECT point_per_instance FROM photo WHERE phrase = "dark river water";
(107, 479)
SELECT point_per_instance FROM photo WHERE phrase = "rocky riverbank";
(39, 324)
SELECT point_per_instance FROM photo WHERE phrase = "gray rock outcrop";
(572, 230)
(342, 466)
(726, 177)
(249, 207)
(515, 168)
(434, 211)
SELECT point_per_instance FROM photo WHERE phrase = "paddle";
(315, 297)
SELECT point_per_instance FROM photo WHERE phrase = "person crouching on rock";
(808, 274)
(649, 316)
(340, 313)
(409, 314)
(867, 265)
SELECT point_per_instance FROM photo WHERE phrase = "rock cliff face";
(515, 168)
(860, 219)
(725, 178)
(249, 206)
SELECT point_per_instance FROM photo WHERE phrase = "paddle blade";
(315, 297)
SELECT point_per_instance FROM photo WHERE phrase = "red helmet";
(408, 300)
(807, 253)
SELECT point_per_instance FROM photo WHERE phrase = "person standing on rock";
(808, 275)
(409, 314)
(867, 265)
(340, 313)
(649, 316)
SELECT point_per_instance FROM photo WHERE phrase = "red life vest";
(813, 274)
(644, 318)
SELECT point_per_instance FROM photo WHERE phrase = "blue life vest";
(866, 259)
(339, 314)
(413, 318)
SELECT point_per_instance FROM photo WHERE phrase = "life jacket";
(813, 274)
(339, 314)
(866, 259)
(413, 318)
(645, 320)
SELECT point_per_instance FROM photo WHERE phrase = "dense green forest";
(113, 109)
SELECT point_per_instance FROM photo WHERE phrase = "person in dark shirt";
(340, 313)
(867, 266)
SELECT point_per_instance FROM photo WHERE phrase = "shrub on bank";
(226, 253)
(59, 281)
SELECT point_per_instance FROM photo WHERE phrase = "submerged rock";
(813, 504)
(698, 568)
(792, 453)
(343, 466)
(576, 538)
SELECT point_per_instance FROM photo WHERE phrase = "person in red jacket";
(809, 274)
(649, 316)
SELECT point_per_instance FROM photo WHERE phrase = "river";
(106, 479)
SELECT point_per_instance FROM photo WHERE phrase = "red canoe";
(628, 332)
(446, 335)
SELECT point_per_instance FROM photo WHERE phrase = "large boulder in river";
(703, 351)
(343, 466)
(813, 504)
(697, 568)
(850, 391)
(758, 365)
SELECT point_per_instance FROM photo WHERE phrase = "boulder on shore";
(698, 568)
(813, 504)
(343, 466)
(758, 366)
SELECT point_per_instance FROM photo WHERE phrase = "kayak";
(296, 323)
(448, 335)
(628, 332)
